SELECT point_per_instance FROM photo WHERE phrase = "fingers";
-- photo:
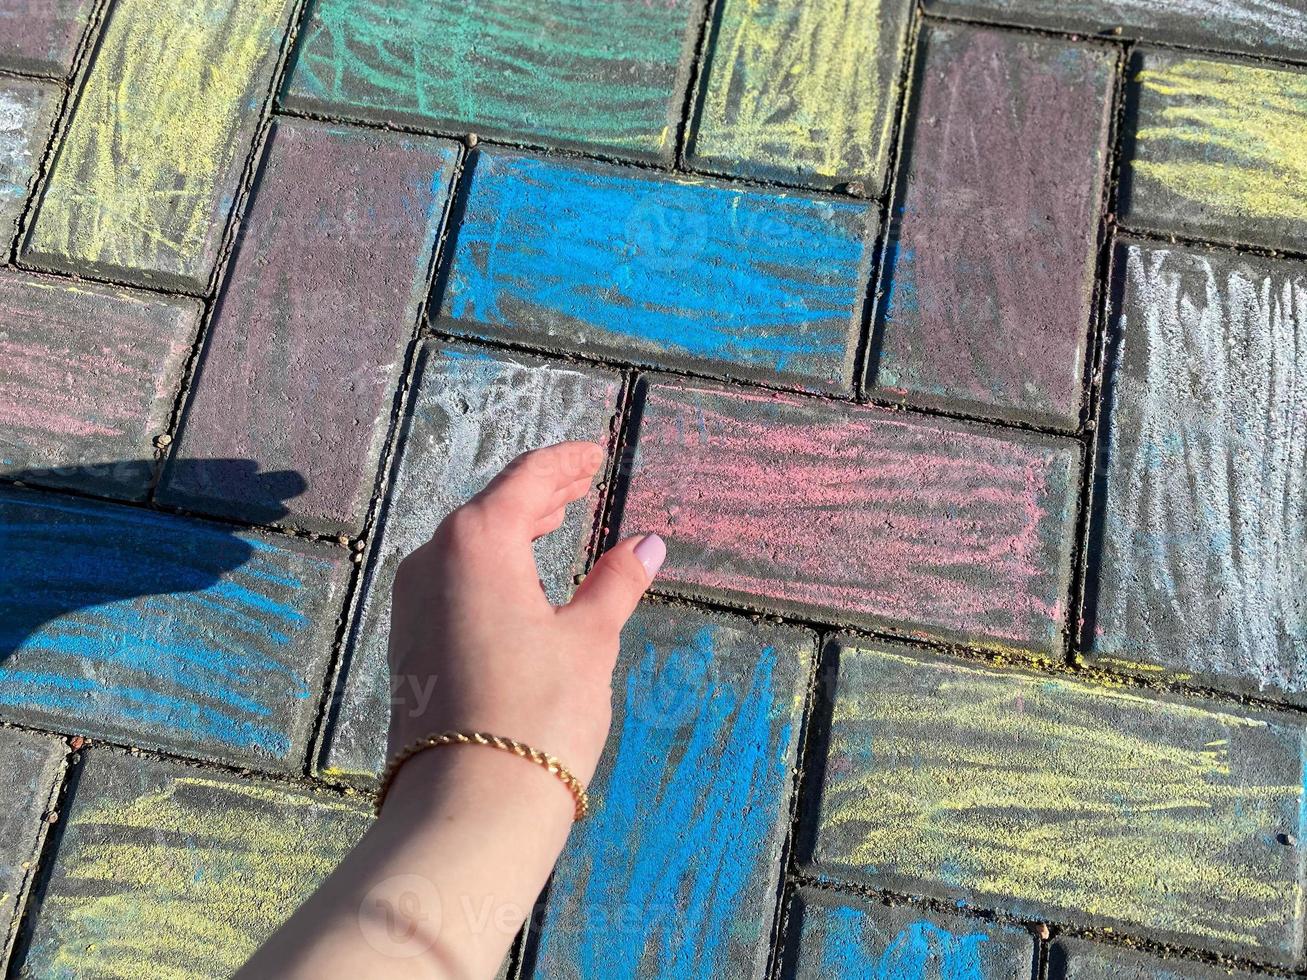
(538, 483)
(610, 593)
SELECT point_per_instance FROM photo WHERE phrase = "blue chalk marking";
(922, 951)
(143, 621)
(771, 282)
(677, 848)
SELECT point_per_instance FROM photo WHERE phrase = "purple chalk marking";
(41, 36)
(992, 256)
(88, 376)
(304, 351)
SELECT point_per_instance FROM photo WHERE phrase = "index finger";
(538, 483)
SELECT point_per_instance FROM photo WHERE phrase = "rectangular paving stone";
(33, 766)
(27, 114)
(991, 262)
(470, 414)
(1262, 27)
(1216, 150)
(1201, 508)
(800, 90)
(186, 870)
(676, 872)
(302, 358)
(932, 528)
(1106, 807)
(88, 376)
(603, 260)
(836, 935)
(149, 167)
(41, 36)
(124, 623)
(602, 74)
(1077, 959)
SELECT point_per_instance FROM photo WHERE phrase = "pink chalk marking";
(859, 511)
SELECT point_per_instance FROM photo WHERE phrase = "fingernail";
(651, 551)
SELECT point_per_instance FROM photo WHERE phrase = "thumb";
(612, 590)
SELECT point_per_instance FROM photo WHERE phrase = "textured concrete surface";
(604, 74)
(33, 765)
(1217, 150)
(470, 414)
(1049, 797)
(945, 530)
(169, 633)
(27, 114)
(322, 298)
(1206, 419)
(1076, 959)
(79, 409)
(831, 935)
(1260, 27)
(675, 227)
(990, 275)
(801, 91)
(184, 869)
(686, 274)
(41, 36)
(160, 135)
(676, 873)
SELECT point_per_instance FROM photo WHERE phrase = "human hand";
(471, 627)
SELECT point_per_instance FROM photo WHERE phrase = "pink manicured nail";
(651, 551)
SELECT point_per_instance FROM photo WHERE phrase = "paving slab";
(186, 870)
(302, 358)
(1260, 27)
(1101, 806)
(990, 266)
(622, 263)
(470, 414)
(41, 36)
(1216, 150)
(162, 130)
(926, 527)
(1200, 521)
(609, 75)
(138, 626)
(802, 91)
(88, 377)
(676, 872)
(836, 935)
(1078, 959)
(27, 114)
(33, 766)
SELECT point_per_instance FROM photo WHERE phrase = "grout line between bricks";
(387, 460)
(1108, 935)
(706, 30)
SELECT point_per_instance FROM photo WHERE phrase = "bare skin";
(441, 883)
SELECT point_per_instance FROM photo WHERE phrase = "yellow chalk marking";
(1254, 120)
(797, 86)
(1053, 792)
(145, 175)
(189, 887)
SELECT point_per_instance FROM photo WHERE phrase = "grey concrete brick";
(32, 766)
(470, 415)
(168, 870)
(834, 935)
(1079, 959)
(1200, 522)
(1050, 798)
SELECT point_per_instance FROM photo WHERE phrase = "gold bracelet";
(519, 749)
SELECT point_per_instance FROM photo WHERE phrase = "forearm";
(441, 884)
